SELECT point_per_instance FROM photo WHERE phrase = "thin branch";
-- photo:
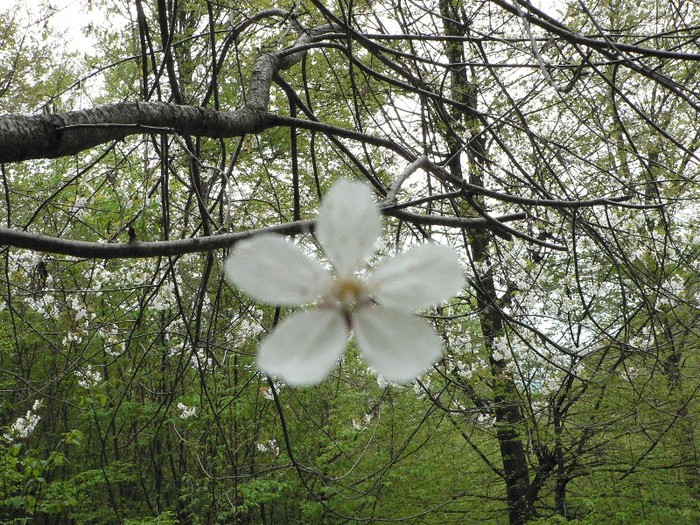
(138, 249)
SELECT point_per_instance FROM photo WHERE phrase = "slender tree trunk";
(508, 412)
(562, 478)
(688, 452)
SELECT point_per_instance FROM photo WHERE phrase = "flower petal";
(304, 347)
(397, 344)
(423, 276)
(348, 226)
(273, 270)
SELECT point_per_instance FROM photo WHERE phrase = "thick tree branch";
(52, 136)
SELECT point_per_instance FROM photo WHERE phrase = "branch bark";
(141, 249)
(52, 136)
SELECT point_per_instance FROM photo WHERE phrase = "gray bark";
(51, 136)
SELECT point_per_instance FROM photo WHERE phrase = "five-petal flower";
(378, 309)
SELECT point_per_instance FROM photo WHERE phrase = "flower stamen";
(348, 294)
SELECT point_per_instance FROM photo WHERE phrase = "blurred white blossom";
(24, 426)
(72, 337)
(377, 309)
(186, 411)
(89, 377)
(486, 420)
(363, 423)
(267, 391)
(269, 446)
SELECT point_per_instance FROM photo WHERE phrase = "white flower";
(270, 446)
(378, 309)
(185, 411)
(89, 377)
(24, 426)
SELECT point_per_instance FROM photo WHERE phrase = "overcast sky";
(69, 19)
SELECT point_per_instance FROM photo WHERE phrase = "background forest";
(553, 145)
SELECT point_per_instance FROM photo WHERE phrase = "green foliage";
(152, 410)
(166, 518)
(31, 488)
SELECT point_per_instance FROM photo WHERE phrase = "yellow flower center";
(347, 294)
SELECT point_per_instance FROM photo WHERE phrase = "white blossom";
(186, 411)
(80, 310)
(113, 340)
(89, 377)
(382, 382)
(79, 208)
(267, 391)
(164, 299)
(270, 446)
(202, 360)
(378, 309)
(363, 423)
(486, 420)
(72, 337)
(24, 426)
(464, 370)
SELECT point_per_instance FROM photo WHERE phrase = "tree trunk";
(507, 409)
